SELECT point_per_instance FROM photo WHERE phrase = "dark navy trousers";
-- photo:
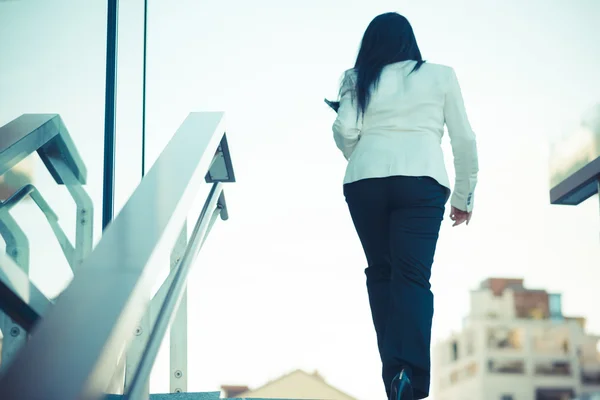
(398, 221)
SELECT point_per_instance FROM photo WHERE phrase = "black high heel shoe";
(401, 387)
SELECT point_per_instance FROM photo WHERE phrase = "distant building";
(516, 345)
(295, 385)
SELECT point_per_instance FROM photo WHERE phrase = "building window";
(510, 366)
(469, 343)
(454, 350)
(590, 376)
(471, 370)
(500, 338)
(462, 374)
(554, 394)
(552, 340)
(553, 368)
(454, 378)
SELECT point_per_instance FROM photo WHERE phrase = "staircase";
(183, 396)
(174, 396)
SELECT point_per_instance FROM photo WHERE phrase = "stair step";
(173, 396)
(183, 396)
(186, 396)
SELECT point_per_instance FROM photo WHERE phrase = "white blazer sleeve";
(346, 128)
(464, 146)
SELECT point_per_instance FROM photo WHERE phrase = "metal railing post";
(179, 329)
(17, 247)
(135, 351)
(144, 74)
(110, 112)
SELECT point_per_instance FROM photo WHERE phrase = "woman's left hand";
(460, 216)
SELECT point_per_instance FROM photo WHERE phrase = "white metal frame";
(17, 247)
(17, 244)
(46, 134)
(84, 228)
(178, 344)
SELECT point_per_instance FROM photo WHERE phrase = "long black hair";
(389, 39)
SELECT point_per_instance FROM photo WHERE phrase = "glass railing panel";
(130, 100)
(60, 70)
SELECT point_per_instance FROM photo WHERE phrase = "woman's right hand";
(460, 216)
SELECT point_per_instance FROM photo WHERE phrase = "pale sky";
(281, 284)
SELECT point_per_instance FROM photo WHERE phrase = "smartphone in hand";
(335, 105)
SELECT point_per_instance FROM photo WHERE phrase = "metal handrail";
(73, 350)
(45, 134)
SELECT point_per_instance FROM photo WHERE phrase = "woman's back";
(402, 128)
(405, 102)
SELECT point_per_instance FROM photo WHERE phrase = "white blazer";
(402, 129)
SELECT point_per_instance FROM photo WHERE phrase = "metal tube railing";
(21, 305)
(167, 312)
